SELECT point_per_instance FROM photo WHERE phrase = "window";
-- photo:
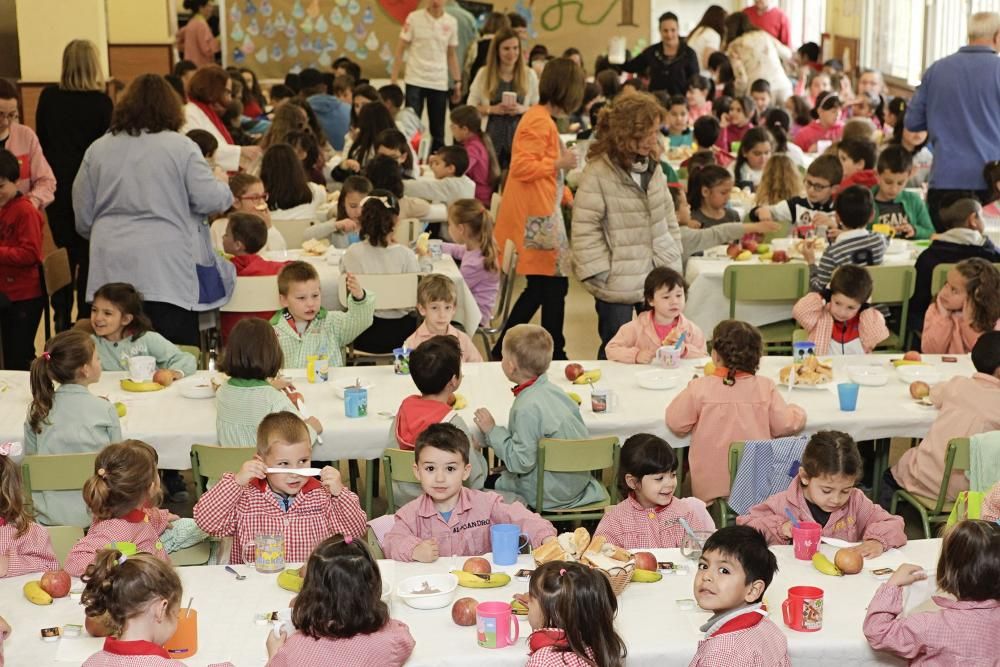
(807, 18)
(893, 37)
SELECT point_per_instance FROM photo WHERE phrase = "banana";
(589, 377)
(645, 576)
(33, 591)
(460, 402)
(823, 564)
(575, 396)
(290, 580)
(129, 385)
(470, 580)
(518, 608)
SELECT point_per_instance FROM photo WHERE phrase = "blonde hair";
(436, 287)
(779, 181)
(491, 82)
(471, 214)
(285, 425)
(531, 347)
(81, 67)
(124, 473)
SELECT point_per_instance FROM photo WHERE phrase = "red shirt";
(773, 21)
(249, 265)
(20, 249)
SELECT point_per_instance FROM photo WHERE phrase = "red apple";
(911, 356)
(919, 389)
(849, 561)
(463, 612)
(573, 371)
(56, 583)
(477, 565)
(98, 626)
(750, 244)
(779, 257)
(645, 561)
(733, 249)
(163, 377)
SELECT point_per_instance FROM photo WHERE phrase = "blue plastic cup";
(506, 543)
(848, 394)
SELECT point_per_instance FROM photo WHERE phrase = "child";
(470, 225)
(540, 410)
(122, 331)
(961, 628)
(25, 545)
(708, 192)
(854, 245)
(483, 169)
(354, 625)
(68, 419)
(822, 179)
(698, 96)
(755, 151)
(826, 125)
(733, 403)
(571, 610)
(706, 132)
(379, 253)
(857, 159)
(436, 369)
(245, 235)
(734, 571)
(206, 142)
(436, 300)
(407, 120)
(450, 181)
(449, 519)
(385, 173)
(737, 122)
(122, 495)
(967, 405)
(866, 105)
(343, 231)
(760, 92)
(678, 130)
(301, 509)
(20, 257)
(249, 196)
(695, 240)
(967, 306)
(252, 357)
(648, 517)
(304, 327)
(779, 181)
(392, 143)
(661, 324)
(824, 492)
(800, 113)
(839, 320)
(905, 212)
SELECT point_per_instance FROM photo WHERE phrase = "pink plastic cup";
(495, 621)
(805, 539)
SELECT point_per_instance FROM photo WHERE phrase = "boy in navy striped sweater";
(853, 245)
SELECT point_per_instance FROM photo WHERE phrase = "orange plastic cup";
(184, 643)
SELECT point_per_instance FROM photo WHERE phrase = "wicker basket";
(619, 576)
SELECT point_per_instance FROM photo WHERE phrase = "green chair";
(398, 468)
(63, 538)
(195, 352)
(576, 456)
(56, 472)
(936, 510)
(373, 546)
(735, 456)
(762, 283)
(210, 462)
(893, 285)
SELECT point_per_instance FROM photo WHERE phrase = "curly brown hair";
(739, 347)
(982, 289)
(121, 589)
(148, 104)
(624, 124)
(208, 85)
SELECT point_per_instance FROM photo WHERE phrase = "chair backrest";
(56, 271)
(764, 282)
(398, 468)
(424, 149)
(735, 456)
(892, 284)
(253, 294)
(391, 290)
(293, 230)
(495, 206)
(408, 229)
(210, 462)
(194, 351)
(508, 274)
(63, 538)
(56, 472)
(575, 456)
(956, 457)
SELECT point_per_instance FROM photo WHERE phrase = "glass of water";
(691, 547)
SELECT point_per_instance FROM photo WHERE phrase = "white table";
(654, 629)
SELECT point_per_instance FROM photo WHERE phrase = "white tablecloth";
(172, 423)
(654, 629)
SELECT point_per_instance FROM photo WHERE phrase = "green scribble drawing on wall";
(560, 7)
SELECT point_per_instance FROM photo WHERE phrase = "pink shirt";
(479, 168)
(469, 351)
(640, 335)
(32, 552)
(991, 504)
(961, 633)
(761, 645)
(629, 525)
(716, 415)
(948, 333)
(196, 42)
(967, 405)
(36, 179)
(858, 520)
(467, 531)
(143, 532)
(815, 131)
(389, 646)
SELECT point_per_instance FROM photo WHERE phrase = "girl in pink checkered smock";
(963, 628)
(24, 545)
(571, 609)
(339, 617)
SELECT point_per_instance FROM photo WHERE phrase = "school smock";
(363, 258)
(910, 206)
(813, 315)
(469, 352)
(629, 525)
(445, 190)
(327, 334)
(31, 552)
(740, 637)
(542, 410)
(548, 647)
(36, 180)
(467, 530)
(115, 355)
(639, 335)
(948, 332)
(389, 646)
(142, 526)
(240, 405)
(304, 520)
(78, 422)
(118, 653)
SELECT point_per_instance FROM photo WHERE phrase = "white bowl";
(446, 585)
(897, 247)
(912, 373)
(658, 378)
(872, 376)
(196, 388)
(339, 389)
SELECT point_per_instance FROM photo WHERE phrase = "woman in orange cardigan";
(531, 212)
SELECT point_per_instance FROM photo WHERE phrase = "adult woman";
(531, 213)
(504, 72)
(37, 182)
(69, 118)
(668, 64)
(706, 38)
(755, 54)
(623, 216)
(290, 194)
(141, 197)
(495, 22)
(209, 94)
(195, 41)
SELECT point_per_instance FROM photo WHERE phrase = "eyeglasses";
(12, 116)
(813, 185)
(260, 197)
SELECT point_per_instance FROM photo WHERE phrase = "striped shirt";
(241, 405)
(857, 246)
(326, 334)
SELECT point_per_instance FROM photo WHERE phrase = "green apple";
(120, 407)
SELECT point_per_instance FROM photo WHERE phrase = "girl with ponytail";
(483, 169)
(471, 226)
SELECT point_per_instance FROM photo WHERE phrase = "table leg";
(370, 477)
(881, 465)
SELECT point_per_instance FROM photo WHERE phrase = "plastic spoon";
(680, 341)
(791, 517)
(305, 472)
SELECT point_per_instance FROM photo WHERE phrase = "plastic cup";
(270, 553)
(496, 625)
(805, 539)
(506, 541)
(141, 368)
(847, 392)
(802, 610)
(184, 643)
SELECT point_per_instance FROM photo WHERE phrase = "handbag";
(540, 233)
(968, 505)
(210, 285)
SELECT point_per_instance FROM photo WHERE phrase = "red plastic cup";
(805, 539)
(802, 610)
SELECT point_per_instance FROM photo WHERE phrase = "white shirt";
(227, 156)
(701, 40)
(275, 241)
(308, 211)
(428, 39)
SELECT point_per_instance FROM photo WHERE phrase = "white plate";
(871, 376)
(658, 378)
(912, 373)
(282, 255)
(812, 387)
(339, 389)
(196, 389)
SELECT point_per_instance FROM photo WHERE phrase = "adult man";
(669, 64)
(770, 19)
(957, 103)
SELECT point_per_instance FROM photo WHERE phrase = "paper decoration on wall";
(353, 7)
(265, 8)
(235, 13)
(251, 8)
(307, 26)
(253, 28)
(313, 10)
(297, 10)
